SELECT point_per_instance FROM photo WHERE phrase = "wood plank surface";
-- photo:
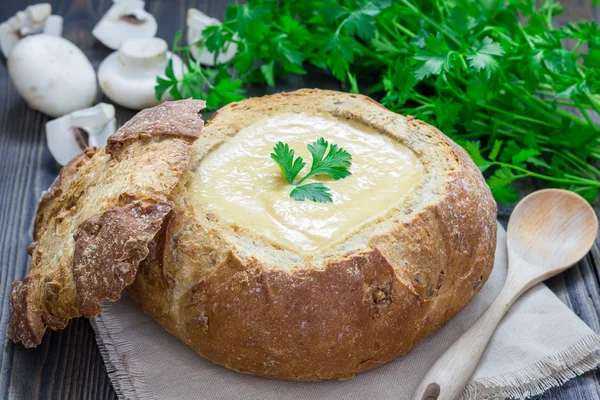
(68, 364)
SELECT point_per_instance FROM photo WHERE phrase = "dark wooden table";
(68, 364)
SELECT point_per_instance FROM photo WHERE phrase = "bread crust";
(94, 224)
(346, 309)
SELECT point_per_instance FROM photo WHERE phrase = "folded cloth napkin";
(540, 344)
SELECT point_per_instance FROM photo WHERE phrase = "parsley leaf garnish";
(335, 164)
(330, 160)
(316, 192)
(284, 157)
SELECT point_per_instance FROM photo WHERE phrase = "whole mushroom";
(52, 74)
(128, 76)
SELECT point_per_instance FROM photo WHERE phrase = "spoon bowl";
(552, 228)
(548, 231)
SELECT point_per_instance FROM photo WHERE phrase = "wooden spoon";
(549, 231)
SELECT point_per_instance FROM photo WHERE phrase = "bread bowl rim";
(373, 116)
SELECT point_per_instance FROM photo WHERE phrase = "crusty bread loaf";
(235, 296)
(261, 308)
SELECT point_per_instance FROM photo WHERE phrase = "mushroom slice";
(126, 19)
(34, 19)
(128, 76)
(70, 135)
(197, 21)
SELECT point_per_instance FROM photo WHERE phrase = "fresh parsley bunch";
(521, 94)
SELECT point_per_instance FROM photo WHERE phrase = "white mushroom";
(197, 21)
(52, 74)
(69, 135)
(34, 19)
(126, 19)
(128, 76)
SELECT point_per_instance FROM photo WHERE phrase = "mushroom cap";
(128, 76)
(52, 74)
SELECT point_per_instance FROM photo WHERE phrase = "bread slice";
(94, 224)
(244, 299)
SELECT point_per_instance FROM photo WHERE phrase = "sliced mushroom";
(128, 76)
(34, 19)
(197, 22)
(69, 135)
(126, 19)
(52, 74)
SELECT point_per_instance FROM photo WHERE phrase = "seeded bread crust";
(259, 308)
(94, 224)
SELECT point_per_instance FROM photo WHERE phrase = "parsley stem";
(586, 181)
(305, 178)
(437, 26)
(458, 92)
(404, 29)
(547, 177)
(529, 100)
(439, 9)
(579, 161)
(584, 112)
(581, 167)
(593, 102)
(539, 105)
(512, 114)
(463, 62)
(549, 15)
(517, 116)
(390, 31)
(564, 103)
(577, 46)
(525, 35)
(584, 166)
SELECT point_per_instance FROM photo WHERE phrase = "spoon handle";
(450, 374)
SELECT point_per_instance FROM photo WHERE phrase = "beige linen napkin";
(540, 344)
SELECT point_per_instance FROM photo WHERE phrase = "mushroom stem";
(54, 25)
(143, 53)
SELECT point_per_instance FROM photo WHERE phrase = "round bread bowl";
(260, 306)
